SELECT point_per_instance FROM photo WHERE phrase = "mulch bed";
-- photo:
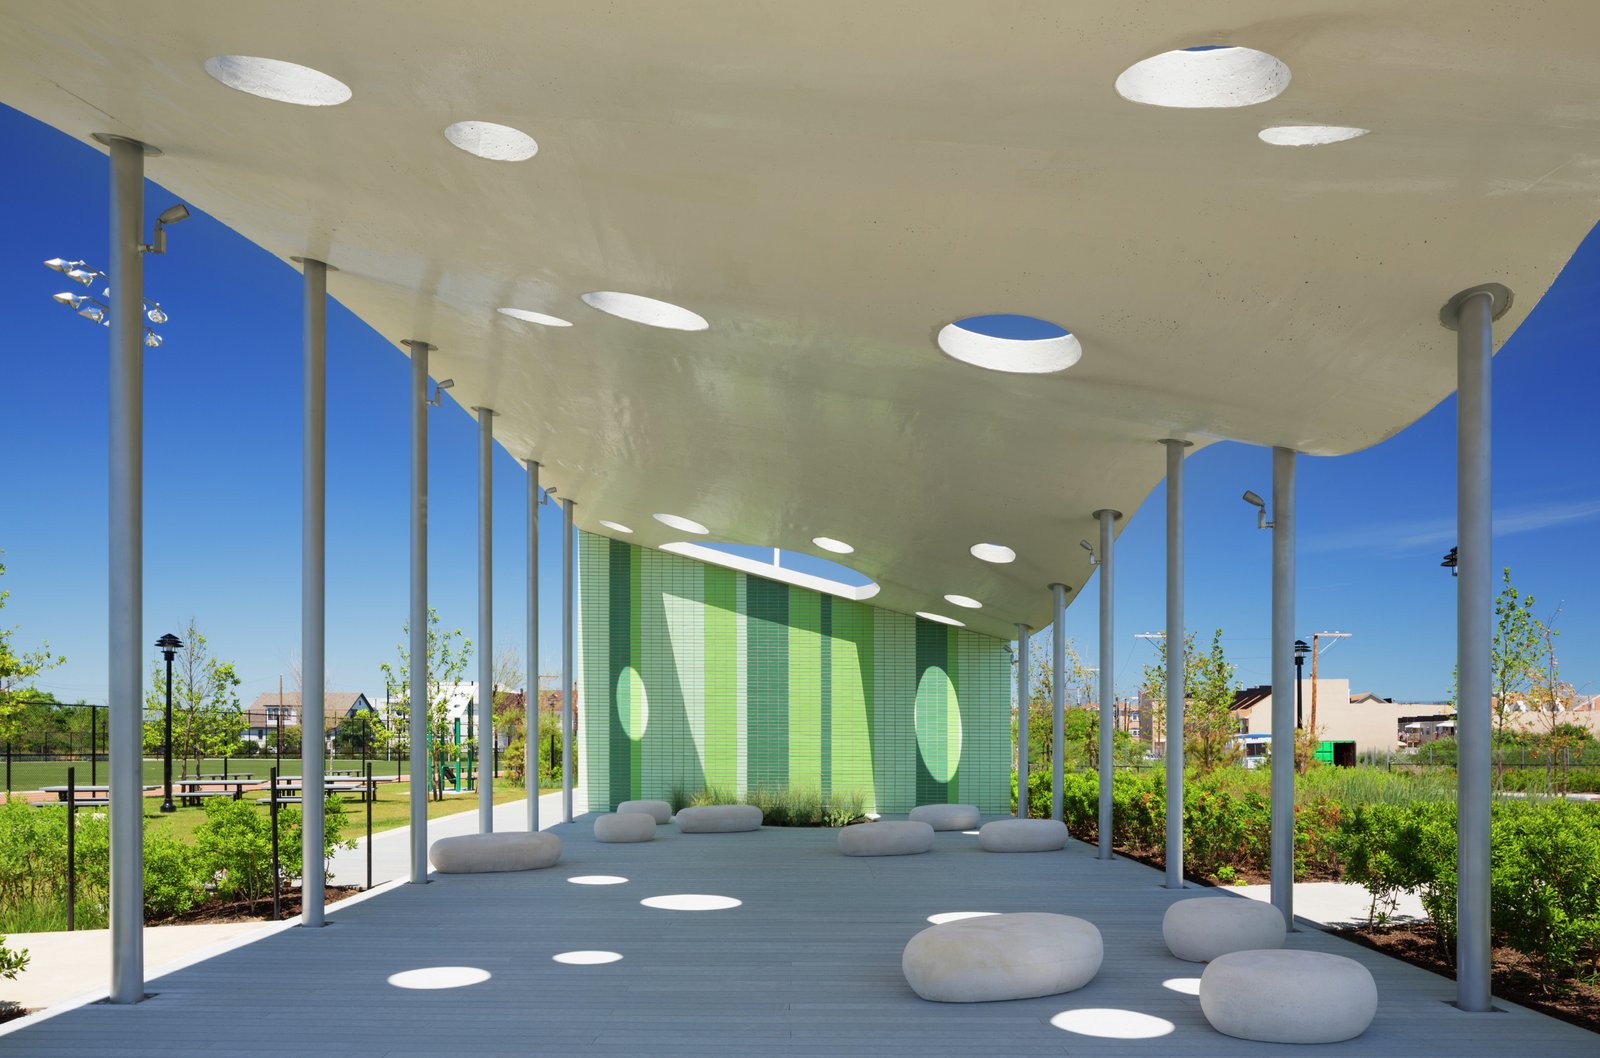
(1515, 978)
(252, 911)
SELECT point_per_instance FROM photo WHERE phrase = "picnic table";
(193, 791)
(287, 789)
(99, 796)
(224, 776)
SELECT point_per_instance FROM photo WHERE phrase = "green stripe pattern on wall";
(694, 675)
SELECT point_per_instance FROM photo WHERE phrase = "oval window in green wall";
(938, 719)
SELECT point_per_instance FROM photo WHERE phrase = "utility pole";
(1315, 653)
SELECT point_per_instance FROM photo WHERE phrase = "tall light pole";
(169, 645)
(1301, 649)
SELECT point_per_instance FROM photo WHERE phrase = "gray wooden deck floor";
(808, 964)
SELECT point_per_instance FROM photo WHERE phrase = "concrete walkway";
(1336, 903)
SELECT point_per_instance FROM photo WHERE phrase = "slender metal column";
(1058, 698)
(1108, 668)
(1175, 643)
(126, 583)
(313, 588)
(530, 701)
(1283, 688)
(569, 681)
(1471, 314)
(417, 695)
(1023, 661)
(485, 620)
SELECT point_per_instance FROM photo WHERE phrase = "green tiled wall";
(694, 675)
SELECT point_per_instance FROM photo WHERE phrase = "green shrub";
(173, 883)
(1545, 879)
(234, 846)
(783, 806)
(12, 962)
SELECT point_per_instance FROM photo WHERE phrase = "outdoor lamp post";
(1300, 652)
(169, 645)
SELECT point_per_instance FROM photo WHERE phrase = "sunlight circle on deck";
(587, 958)
(497, 143)
(649, 311)
(1189, 986)
(691, 902)
(938, 724)
(1309, 135)
(279, 81)
(431, 977)
(1022, 345)
(543, 319)
(997, 553)
(597, 879)
(1203, 77)
(1109, 1023)
(956, 916)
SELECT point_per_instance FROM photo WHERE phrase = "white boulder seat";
(619, 827)
(1023, 835)
(489, 853)
(719, 819)
(1285, 996)
(1020, 956)
(947, 817)
(1203, 927)
(886, 838)
(660, 811)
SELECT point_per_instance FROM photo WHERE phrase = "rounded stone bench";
(1020, 956)
(719, 819)
(893, 838)
(1201, 928)
(487, 853)
(620, 827)
(1288, 996)
(947, 817)
(660, 811)
(1023, 835)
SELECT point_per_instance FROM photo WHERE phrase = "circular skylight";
(498, 143)
(529, 316)
(615, 527)
(941, 618)
(1002, 341)
(282, 82)
(1309, 135)
(683, 525)
(964, 600)
(997, 553)
(828, 543)
(640, 309)
(1208, 75)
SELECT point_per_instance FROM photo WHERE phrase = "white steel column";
(485, 620)
(569, 682)
(417, 694)
(1022, 721)
(126, 583)
(1175, 659)
(1108, 669)
(530, 701)
(1471, 314)
(313, 588)
(1058, 697)
(1283, 727)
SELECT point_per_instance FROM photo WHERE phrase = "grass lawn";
(391, 810)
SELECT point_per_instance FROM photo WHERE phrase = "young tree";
(1553, 700)
(17, 672)
(1209, 722)
(1154, 686)
(1514, 654)
(447, 659)
(1041, 680)
(206, 715)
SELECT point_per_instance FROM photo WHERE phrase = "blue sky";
(222, 493)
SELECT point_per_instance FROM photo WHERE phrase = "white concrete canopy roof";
(828, 184)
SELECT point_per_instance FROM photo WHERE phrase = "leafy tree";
(1552, 700)
(207, 719)
(1514, 653)
(447, 659)
(1154, 686)
(1041, 682)
(360, 734)
(12, 962)
(17, 671)
(1209, 722)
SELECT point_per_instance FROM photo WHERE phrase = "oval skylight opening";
(1205, 76)
(790, 567)
(941, 618)
(1309, 135)
(828, 543)
(1022, 345)
(649, 311)
(683, 525)
(541, 318)
(964, 600)
(279, 81)
(615, 527)
(997, 553)
(498, 143)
